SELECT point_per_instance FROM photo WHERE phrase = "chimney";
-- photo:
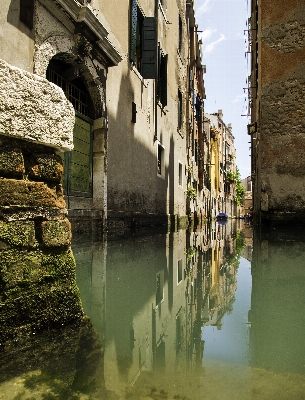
(220, 114)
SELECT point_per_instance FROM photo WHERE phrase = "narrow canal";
(212, 314)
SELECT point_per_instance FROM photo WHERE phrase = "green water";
(209, 315)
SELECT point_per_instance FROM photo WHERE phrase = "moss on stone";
(18, 233)
(11, 162)
(48, 167)
(41, 306)
(20, 270)
(30, 194)
(56, 233)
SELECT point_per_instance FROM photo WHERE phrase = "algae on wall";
(37, 268)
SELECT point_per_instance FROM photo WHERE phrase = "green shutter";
(149, 48)
(133, 30)
(79, 165)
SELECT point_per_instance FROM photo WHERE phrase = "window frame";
(162, 77)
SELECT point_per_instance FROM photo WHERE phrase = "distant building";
(222, 165)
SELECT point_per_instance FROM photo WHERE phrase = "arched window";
(77, 179)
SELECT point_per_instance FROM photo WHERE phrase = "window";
(180, 174)
(162, 78)
(133, 112)
(143, 47)
(180, 34)
(27, 12)
(160, 166)
(179, 271)
(179, 109)
(159, 288)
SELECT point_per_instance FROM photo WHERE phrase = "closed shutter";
(149, 48)
(79, 163)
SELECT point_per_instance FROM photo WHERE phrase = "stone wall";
(279, 189)
(37, 268)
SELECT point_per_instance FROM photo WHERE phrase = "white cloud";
(238, 98)
(210, 47)
(204, 8)
(207, 33)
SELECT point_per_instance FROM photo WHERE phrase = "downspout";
(156, 72)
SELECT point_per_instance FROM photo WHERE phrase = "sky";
(223, 23)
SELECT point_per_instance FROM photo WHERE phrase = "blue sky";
(223, 46)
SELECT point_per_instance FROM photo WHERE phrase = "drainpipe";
(156, 72)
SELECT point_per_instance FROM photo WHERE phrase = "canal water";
(218, 313)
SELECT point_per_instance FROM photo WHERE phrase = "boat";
(222, 216)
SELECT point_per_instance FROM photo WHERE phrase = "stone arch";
(76, 51)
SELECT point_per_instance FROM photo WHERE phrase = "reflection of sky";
(231, 343)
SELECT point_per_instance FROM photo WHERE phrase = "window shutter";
(27, 12)
(133, 32)
(149, 48)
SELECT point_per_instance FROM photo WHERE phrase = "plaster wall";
(133, 183)
(16, 39)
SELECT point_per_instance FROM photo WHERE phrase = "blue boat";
(222, 216)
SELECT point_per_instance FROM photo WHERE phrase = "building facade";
(276, 97)
(133, 73)
(221, 164)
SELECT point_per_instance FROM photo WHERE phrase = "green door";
(78, 162)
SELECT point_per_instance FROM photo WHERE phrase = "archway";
(77, 163)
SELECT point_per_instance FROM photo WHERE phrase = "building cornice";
(84, 18)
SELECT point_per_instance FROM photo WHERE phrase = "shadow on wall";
(134, 185)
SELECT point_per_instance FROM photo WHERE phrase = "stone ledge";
(34, 109)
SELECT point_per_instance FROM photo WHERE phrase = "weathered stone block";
(30, 194)
(20, 270)
(34, 109)
(18, 233)
(47, 167)
(56, 233)
(42, 306)
(11, 162)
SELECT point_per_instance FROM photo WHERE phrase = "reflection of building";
(150, 297)
(219, 277)
(277, 302)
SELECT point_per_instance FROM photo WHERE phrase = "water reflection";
(149, 297)
(181, 315)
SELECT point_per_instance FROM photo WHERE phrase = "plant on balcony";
(231, 176)
(191, 192)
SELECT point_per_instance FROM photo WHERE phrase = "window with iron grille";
(78, 98)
